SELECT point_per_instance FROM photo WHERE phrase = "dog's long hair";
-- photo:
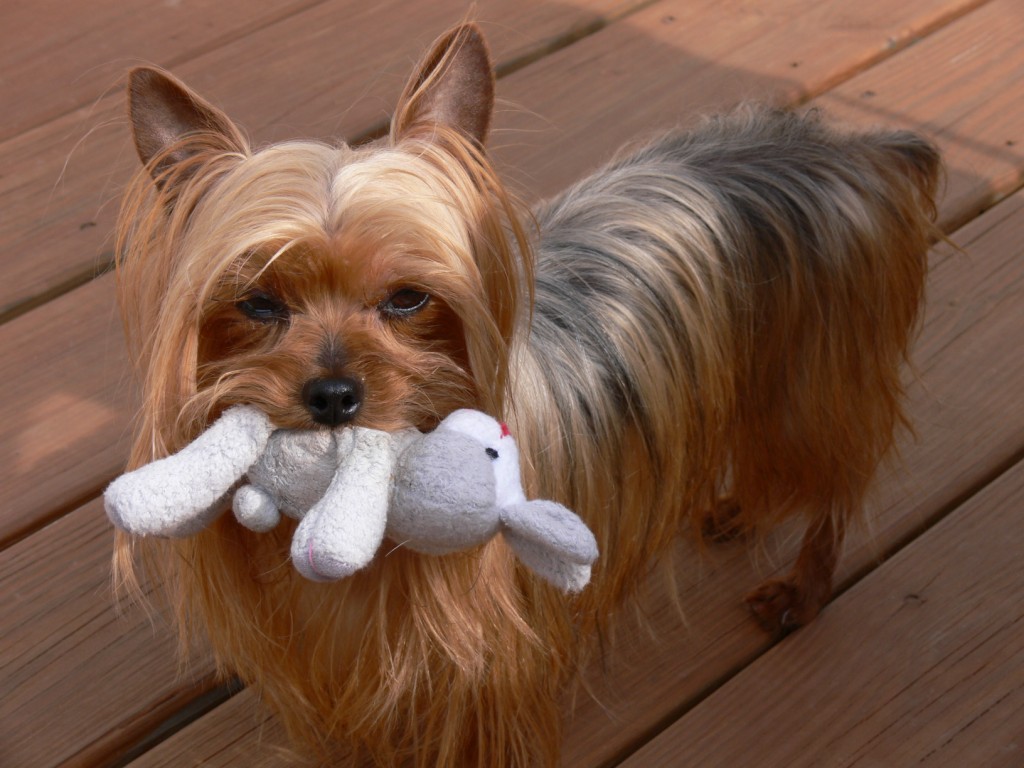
(721, 312)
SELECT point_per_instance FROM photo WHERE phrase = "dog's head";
(378, 285)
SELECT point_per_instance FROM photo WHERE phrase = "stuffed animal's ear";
(172, 124)
(453, 86)
(552, 541)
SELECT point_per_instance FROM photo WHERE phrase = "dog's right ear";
(452, 86)
(171, 124)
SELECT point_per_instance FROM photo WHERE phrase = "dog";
(706, 336)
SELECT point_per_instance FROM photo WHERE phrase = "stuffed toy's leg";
(342, 531)
(255, 509)
(180, 495)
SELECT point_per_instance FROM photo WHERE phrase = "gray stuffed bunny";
(448, 490)
(459, 485)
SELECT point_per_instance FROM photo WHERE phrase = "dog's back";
(726, 311)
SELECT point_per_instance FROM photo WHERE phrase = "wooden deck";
(920, 657)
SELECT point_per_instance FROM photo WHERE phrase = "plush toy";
(436, 493)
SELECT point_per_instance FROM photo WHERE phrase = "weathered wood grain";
(331, 70)
(58, 56)
(64, 417)
(964, 86)
(969, 419)
(241, 732)
(672, 63)
(656, 676)
(71, 690)
(918, 664)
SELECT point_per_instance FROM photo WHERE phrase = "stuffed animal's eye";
(492, 453)
(263, 307)
(404, 302)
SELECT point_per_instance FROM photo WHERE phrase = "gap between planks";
(83, 58)
(64, 163)
(949, 409)
(922, 670)
(947, 506)
(49, 286)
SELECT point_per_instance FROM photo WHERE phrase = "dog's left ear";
(453, 86)
(172, 124)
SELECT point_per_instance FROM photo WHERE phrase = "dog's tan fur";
(723, 311)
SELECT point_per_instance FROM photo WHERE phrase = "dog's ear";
(172, 124)
(453, 86)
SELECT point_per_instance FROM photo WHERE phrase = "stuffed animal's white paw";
(255, 509)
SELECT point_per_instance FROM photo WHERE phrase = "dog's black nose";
(332, 401)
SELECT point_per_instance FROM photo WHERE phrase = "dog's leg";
(782, 605)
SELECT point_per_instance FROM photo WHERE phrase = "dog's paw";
(781, 606)
(723, 523)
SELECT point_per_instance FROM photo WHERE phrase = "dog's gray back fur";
(717, 260)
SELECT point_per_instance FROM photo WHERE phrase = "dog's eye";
(404, 302)
(493, 454)
(264, 307)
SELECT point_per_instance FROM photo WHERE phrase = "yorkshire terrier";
(707, 333)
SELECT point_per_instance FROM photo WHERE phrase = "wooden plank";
(72, 689)
(241, 732)
(337, 69)
(66, 408)
(671, 63)
(919, 664)
(964, 86)
(58, 56)
(649, 678)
